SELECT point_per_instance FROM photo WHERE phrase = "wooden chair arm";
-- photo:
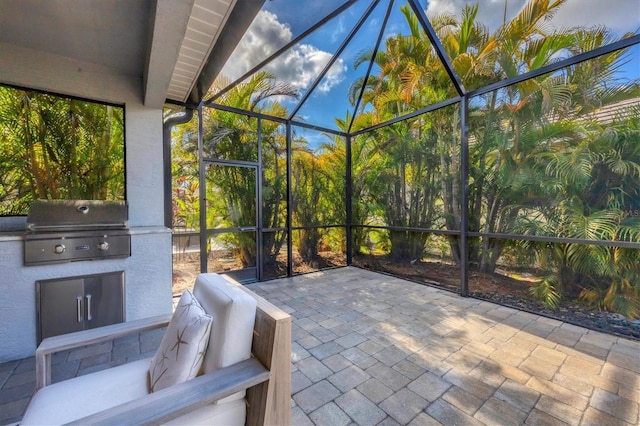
(175, 401)
(55, 344)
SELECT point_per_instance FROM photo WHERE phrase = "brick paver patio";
(372, 349)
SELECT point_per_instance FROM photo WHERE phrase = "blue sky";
(282, 20)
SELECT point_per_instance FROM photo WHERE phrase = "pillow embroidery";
(183, 345)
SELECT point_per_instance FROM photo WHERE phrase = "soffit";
(166, 43)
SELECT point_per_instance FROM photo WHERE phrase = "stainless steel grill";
(71, 230)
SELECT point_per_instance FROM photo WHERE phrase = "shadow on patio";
(370, 349)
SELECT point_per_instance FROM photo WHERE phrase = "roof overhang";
(175, 47)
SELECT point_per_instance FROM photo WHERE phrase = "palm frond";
(546, 291)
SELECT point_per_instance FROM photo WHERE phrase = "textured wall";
(146, 289)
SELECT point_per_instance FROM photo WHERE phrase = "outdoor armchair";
(245, 377)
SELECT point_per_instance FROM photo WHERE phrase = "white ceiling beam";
(168, 29)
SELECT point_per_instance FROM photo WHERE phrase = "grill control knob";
(103, 246)
(59, 248)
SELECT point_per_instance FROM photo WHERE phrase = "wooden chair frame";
(266, 376)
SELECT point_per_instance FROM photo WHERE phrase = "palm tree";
(404, 182)
(529, 144)
(274, 196)
(233, 136)
(309, 182)
(594, 179)
(60, 148)
(364, 164)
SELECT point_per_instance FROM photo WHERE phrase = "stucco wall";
(148, 270)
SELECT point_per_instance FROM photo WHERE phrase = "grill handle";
(79, 308)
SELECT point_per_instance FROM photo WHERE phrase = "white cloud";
(301, 65)
(490, 12)
(340, 30)
(265, 36)
(442, 7)
(298, 66)
(334, 76)
(619, 15)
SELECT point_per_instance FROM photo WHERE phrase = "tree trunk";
(308, 245)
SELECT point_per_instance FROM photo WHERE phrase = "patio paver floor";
(372, 349)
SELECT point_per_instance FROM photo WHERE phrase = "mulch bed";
(494, 287)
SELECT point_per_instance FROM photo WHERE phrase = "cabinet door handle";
(79, 310)
(88, 296)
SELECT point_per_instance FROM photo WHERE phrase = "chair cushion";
(73, 399)
(82, 396)
(229, 413)
(181, 352)
(233, 312)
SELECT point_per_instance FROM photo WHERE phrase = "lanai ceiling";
(176, 47)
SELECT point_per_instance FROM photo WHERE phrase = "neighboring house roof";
(607, 113)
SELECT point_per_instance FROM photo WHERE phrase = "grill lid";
(75, 215)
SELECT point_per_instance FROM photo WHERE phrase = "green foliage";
(543, 161)
(398, 179)
(557, 155)
(546, 291)
(58, 148)
(318, 175)
(318, 191)
(185, 181)
(620, 296)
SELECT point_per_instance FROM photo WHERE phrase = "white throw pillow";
(183, 345)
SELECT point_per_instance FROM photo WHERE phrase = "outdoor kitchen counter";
(148, 282)
(11, 236)
(141, 230)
